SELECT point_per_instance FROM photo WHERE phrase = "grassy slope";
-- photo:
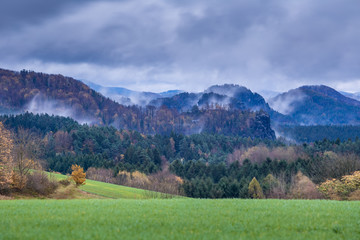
(179, 219)
(112, 190)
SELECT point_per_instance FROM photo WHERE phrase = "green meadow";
(114, 191)
(179, 219)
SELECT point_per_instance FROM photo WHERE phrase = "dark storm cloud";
(162, 44)
(97, 32)
(16, 13)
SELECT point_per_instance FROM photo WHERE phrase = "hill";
(55, 94)
(317, 105)
(355, 95)
(114, 191)
(227, 96)
(59, 95)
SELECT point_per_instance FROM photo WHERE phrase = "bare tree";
(26, 150)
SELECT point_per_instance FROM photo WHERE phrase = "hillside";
(355, 95)
(112, 190)
(55, 94)
(317, 105)
(228, 96)
(59, 95)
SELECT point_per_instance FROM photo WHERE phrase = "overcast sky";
(156, 45)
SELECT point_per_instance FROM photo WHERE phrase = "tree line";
(209, 165)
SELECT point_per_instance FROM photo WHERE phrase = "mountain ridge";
(317, 105)
(65, 96)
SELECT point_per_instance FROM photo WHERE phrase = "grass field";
(179, 219)
(112, 190)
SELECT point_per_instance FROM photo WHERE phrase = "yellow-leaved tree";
(6, 159)
(78, 175)
(348, 187)
(255, 190)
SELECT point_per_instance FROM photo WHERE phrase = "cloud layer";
(157, 45)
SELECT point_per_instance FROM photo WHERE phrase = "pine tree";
(255, 190)
(78, 175)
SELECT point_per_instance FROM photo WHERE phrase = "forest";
(301, 134)
(199, 165)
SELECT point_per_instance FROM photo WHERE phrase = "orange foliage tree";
(6, 159)
(78, 175)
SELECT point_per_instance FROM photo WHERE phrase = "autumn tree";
(255, 190)
(343, 188)
(6, 159)
(78, 175)
(63, 141)
(26, 150)
(303, 188)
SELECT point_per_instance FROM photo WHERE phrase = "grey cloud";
(102, 33)
(276, 44)
(16, 13)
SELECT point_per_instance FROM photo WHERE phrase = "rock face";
(262, 126)
(59, 95)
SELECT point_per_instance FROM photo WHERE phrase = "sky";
(157, 45)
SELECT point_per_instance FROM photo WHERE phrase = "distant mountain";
(317, 105)
(182, 102)
(355, 96)
(267, 94)
(250, 100)
(227, 96)
(129, 97)
(65, 96)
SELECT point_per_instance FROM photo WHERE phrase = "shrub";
(65, 182)
(303, 188)
(101, 174)
(341, 189)
(39, 182)
(355, 196)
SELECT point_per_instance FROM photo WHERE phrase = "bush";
(65, 182)
(303, 188)
(354, 196)
(348, 186)
(101, 174)
(39, 182)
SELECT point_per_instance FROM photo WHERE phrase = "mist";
(40, 104)
(286, 103)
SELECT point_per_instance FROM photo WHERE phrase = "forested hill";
(55, 94)
(317, 105)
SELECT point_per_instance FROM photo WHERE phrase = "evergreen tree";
(255, 190)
